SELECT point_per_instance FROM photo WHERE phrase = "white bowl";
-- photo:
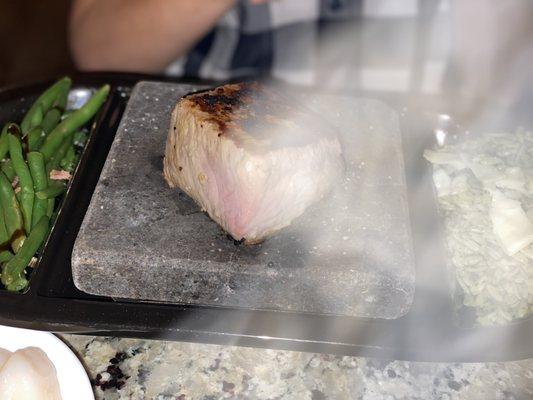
(73, 380)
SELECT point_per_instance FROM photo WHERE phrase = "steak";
(251, 157)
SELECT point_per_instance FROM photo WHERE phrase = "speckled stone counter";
(145, 369)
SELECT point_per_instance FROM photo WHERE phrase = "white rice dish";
(484, 186)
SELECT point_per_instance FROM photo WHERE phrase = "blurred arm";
(139, 35)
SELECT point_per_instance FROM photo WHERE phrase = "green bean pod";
(13, 272)
(27, 193)
(4, 144)
(12, 215)
(51, 192)
(75, 121)
(66, 114)
(50, 207)
(55, 161)
(80, 138)
(5, 256)
(62, 100)
(68, 163)
(40, 182)
(9, 128)
(7, 168)
(35, 138)
(4, 237)
(37, 117)
(45, 101)
(51, 119)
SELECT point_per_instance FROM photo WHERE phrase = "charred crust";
(223, 104)
(254, 109)
(239, 242)
(235, 241)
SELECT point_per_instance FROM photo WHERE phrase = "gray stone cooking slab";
(351, 254)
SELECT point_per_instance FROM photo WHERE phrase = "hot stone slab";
(350, 254)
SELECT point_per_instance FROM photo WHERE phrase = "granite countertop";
(148, 369)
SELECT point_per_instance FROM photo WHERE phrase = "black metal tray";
(428, 332)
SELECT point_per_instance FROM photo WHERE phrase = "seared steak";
(251, 157)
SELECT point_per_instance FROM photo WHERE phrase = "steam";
(475, 69)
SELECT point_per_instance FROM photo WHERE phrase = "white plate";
(73, 380)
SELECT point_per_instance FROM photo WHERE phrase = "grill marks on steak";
(220, 105)
(272, 118)
(251, 157)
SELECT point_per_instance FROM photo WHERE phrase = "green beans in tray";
(36, 160)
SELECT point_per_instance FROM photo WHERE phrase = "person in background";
(387, 45)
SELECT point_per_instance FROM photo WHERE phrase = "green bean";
(62, 99)
(37, 117)
(80, 138)
(52, 191)
(12, 128)
(25, 180)
(35, 138)
(45, 101)
(40, 182)
(50, 207)
(4, 144)
(13, 272)
(55, 160)
(5, 256)
(68, 163)
(51, 119)
(75, 121)
(7, 168)
(66, 114)
(4, 237)
(12, 214)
